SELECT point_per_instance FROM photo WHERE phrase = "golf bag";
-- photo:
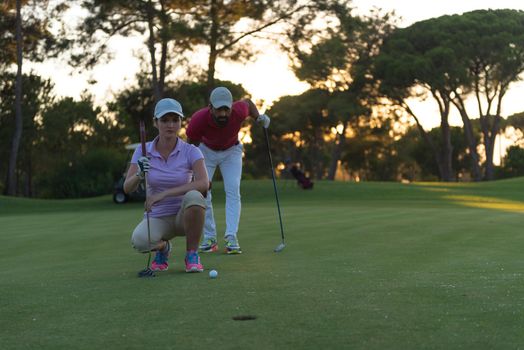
(302, 180)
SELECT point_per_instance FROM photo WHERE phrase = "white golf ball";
(213, 274)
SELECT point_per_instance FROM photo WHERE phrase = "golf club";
(282, 245)
(146, 272)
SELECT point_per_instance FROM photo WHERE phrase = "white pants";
(230, 163)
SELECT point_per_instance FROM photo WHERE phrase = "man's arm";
(261, 119)
(253, 110)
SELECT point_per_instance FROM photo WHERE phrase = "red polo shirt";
(202, 127)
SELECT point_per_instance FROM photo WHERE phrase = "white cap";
(168, 105)
(221, 97)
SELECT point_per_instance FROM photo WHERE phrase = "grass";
(367, 266)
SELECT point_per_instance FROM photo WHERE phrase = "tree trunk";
(151, 48)
(340, 142)
(28, 186)
(490, 135)
(213, 52)
(470, 139)
(426, 138)
(318, 163)
(163, 53)
(210, 84)
(17, 136)
(489, 171)
(162, 75)
(447, 150)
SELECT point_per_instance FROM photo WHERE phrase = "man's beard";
(221, 121)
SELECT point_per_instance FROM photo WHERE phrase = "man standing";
(215, 129)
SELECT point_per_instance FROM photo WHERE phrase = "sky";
(269, 77)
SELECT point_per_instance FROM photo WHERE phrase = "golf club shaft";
(144, 153)
(148, 228)
(274, 183)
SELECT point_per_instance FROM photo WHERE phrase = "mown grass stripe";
(368, 265)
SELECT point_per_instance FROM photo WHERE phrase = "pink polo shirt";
(165, 174)
(202, 127)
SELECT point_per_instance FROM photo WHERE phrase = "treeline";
(354, 123)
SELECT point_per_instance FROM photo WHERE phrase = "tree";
(338, 58)
(513, 127)
(307, 130)
(36, 96)
(474, 55)
(301, 125)
(513, 162)
(31, 39)
(220, 33)
(409, 61)
(177, 26)
(38, 41)
(162, 27)
(493, 42)
(416, 156)
(17, 135)
(515, 120)
(81, 150)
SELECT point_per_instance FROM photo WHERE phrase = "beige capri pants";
(166, 227)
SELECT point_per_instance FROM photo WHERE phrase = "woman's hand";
(152, 199)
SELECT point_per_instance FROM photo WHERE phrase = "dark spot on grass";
(244, 317)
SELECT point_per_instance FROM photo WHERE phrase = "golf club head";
(145, 273)
(279, 248)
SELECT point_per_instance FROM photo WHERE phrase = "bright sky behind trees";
(269, 77)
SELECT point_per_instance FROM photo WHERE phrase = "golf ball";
(213, 274)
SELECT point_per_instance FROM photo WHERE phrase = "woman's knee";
(140, 243)
(194, 198)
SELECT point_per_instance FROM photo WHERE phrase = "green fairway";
(366, 266)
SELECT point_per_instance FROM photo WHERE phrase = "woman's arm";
(200, 183)
(132, 180)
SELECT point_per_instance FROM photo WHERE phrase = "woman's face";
(169, 124)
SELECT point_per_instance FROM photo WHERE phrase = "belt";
(221, 149)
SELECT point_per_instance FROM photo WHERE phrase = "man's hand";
(263, 120)
(143, 166)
